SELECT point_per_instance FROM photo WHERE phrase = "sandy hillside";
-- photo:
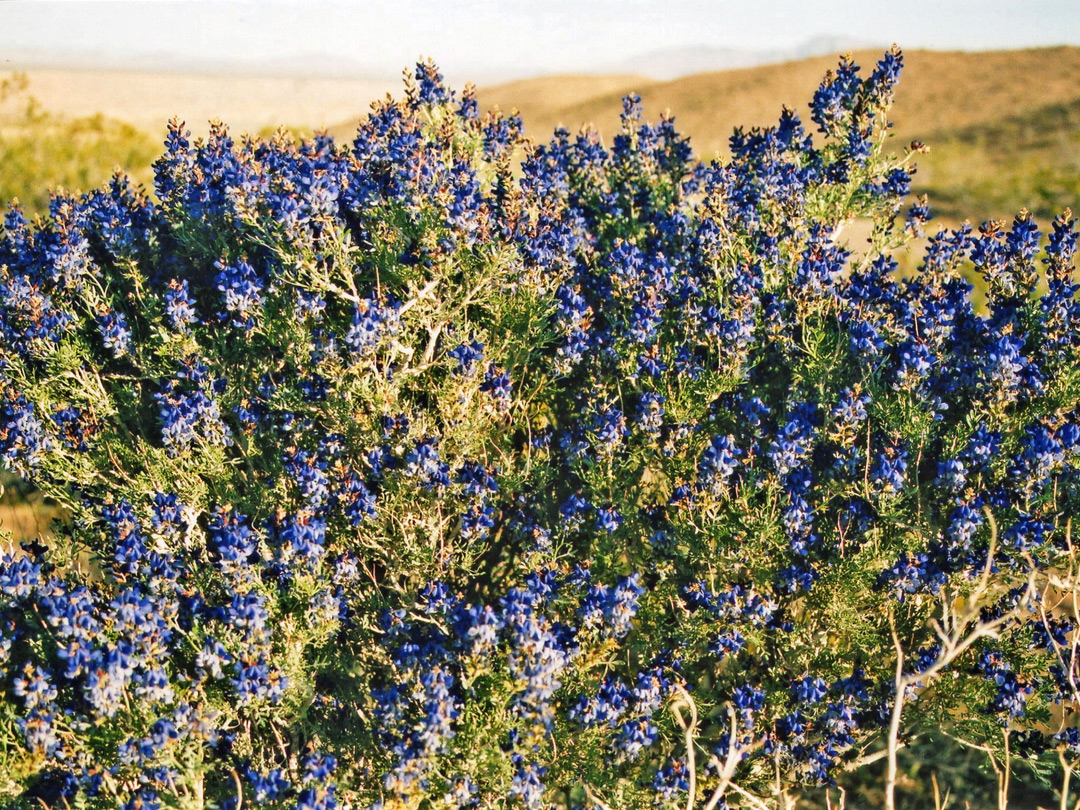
(247, 104)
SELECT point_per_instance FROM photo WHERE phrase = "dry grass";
(26, 520)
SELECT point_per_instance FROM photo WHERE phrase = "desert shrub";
(404, 476)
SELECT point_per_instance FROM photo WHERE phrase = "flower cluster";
(399, 475)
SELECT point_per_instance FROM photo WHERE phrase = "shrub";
(403, 475)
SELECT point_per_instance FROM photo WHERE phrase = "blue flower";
(115, 333)
(718, 463)
(809, 690)
(270, 787)
(241, 293)
(467, 356)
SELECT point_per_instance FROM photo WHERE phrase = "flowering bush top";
(445, 469)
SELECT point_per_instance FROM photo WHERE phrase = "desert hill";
(939, 91)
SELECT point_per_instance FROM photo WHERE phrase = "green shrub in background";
(41, 151)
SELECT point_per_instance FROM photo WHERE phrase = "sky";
(483, 38)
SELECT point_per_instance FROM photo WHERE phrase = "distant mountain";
(674, 63)
(824, 45)
(664, 65)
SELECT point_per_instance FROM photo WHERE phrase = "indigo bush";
(443, 469)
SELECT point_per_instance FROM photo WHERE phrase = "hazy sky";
(511, 36)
